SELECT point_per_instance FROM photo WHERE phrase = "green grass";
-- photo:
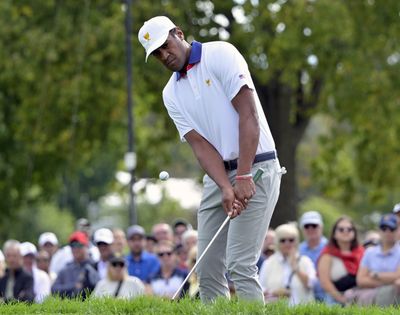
(147, 305)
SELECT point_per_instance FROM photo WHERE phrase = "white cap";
(27, 248)
(311, 217)
(48, 237)
(154, 33)
(103, 236)
(396, 208)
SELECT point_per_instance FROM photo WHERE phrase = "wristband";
(244, 176)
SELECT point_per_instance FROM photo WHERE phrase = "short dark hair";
(333, 241)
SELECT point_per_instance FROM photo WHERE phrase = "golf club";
(257, 176)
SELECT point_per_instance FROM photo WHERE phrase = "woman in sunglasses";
(169, 277)
(117, 282)
(339, 261)
(287, 274)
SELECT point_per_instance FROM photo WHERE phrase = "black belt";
(232, 164)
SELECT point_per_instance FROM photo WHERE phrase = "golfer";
(212, 100)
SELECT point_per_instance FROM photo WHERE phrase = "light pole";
(130, 156)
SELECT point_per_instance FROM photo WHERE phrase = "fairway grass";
(151, 305)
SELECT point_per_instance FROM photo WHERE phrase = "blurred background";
(326, 71)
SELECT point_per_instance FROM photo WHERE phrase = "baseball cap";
(396, 208)
(389, 220)
(27, 248)
(154, 33)
(311, 217)
(79, 237)
(135, 230)
(48, 237)
(103, 236)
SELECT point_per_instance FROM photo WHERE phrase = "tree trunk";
(277, 100)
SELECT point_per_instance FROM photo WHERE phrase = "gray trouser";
(238, 247)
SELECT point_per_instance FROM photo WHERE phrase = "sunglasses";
(288, 240)
(386, 228)
(345, 229)
(164, 254)
(310, 226)
(116, 264)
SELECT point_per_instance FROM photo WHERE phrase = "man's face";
(13, 258)
(136, 244)
(50, 248)
(79, 252)
(174, 52)
(105, 250)
(312, 231)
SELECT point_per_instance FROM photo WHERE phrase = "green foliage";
(46, 217)
(151, 305)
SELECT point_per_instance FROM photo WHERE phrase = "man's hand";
(231, 205)
(244, 190)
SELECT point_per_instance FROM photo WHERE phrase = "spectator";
(162, 232)
(194, 286)
(84, 226)
(189, 239)
(396, 210)
(104, 239)
(119, 245)
(379, 273)
(180, 226)
(269, 244)
(268, 248)
(63, 256)
(2, 264)
(141, 264)
(16, 284)
(372, 238)
(169, 277)
(287, 274)
(117, 282)
(312, 227)
(43, 263)
(48, 241)
(77, 278)
(151, 243)
(339, 261)
(41, 280)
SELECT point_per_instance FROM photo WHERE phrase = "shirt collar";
(195, 57)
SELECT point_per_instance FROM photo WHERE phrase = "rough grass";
(150, 305)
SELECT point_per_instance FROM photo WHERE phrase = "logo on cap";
(208, 82)
(146, 36)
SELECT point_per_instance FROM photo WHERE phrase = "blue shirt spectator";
(311, 224)
(141, 264)
(143, 267)
(376, 260)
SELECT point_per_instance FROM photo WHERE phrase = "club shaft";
(256, 178)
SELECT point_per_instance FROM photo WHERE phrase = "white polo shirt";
(201, 100)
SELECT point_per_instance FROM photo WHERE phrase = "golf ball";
(163, 175)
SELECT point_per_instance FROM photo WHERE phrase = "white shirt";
(130, 288)
(41, 284)
(275, 274)
(201, 100)
(102, 269)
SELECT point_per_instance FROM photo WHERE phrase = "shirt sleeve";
(179, 120)
(309, 269)
(230, 68)
(365, 260)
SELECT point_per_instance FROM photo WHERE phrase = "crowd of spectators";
(337, 269)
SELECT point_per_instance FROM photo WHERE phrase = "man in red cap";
(78, 277)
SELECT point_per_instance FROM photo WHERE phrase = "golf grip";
(256, 177)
